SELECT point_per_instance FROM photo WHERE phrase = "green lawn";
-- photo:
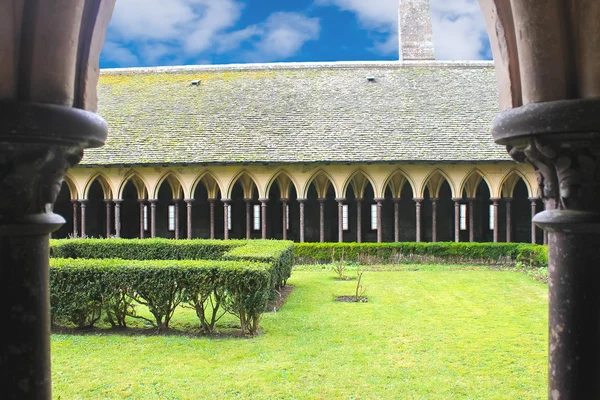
(428, 334)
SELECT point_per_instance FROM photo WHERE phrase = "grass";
(433, 333)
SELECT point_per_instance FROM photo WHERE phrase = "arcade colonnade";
(336, 202)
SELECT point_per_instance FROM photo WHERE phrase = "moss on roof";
(299, 113)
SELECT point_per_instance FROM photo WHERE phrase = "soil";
(351, 299)
(280, 299)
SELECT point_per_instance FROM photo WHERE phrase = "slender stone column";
(508, 203)
(211, 209)
(248, 218)
(533, 201)
(396, 220)
(434, 219)
(379, 202)
(495, 201)
(418, 201)
(340, 202)
(176, 206)
(321, 220)
(471, 219)
(142, 216)
(188, 207)
(226, 217)
(302, 220)
(107, 207)
(263, 209)
(359, 220)
(457, 201)
(284, 204)
(75, 218)
(83, 207)
(118, 203)
(153, 203)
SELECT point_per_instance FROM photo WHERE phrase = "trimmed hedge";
(83, 289)
(420, 252)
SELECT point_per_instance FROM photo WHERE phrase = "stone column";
(226, 217)
(153, 203)
(142, 216)
(396, 220)
(118, 203)
(188, 207)
(533, 201)
(471, 207)
(359, 220)
(284, 203)
(418, 201)
(176, 207)
(302, 228)
(457, 201)
(107, 207)
(434, 219)
(248, 218)
(211, 208)
(340, 202)
(508, 203)
(379, 219)
(263, 209)
(496, 222)
(75, 218)
(321, 220)
(83, 207)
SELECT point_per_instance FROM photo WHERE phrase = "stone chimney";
(415, 37)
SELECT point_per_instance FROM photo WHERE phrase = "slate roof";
(299, 113)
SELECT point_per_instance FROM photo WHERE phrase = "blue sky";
(186, 32)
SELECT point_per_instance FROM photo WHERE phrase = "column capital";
(117, 201)
(358, 199)
(301, 200)
(83, 201)
(153, 202)
(396, 200)
(142, 201)
(263, 200)
(76, 201)
(340, 199)
(495, 199)
(284, 199)
(321, 200)
(225, 201)
(507, 199)
(379, 199)
(534, 198)
(458, 199)
(189, 201)
(434, 198)
(211, 201)
(249, 201)
(418, 199)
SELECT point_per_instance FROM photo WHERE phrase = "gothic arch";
(315, 175)
(104, 183)
(510, 179)
(275, 177)
(471, 181)
(138, 181)
(73, 193)
(175, 182)
(203, 179)
(388, 180)
(240, 175)
(356, 173)
(429, 180)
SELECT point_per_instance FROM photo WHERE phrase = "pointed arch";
(509, 181)
(471, 181)
(141, 185)
(320, 176)
(175, 182)
(104, 183)
(210, 181)
(276, 177)
(398, 186)
(247, 179)
(73, 194)
(358, 180)
(434, 181)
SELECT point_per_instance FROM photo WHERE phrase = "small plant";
(359, 294)
(340, 269)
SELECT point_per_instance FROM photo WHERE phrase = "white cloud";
(158, 32)
(458, 26)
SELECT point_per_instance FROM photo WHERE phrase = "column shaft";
(302, 228)
(359, 220)
(188, 206)
(75, 218)
(153, 218)
(248, 218)
(211, 206)
(471, 220)
(118, 218)
(456, 219)
(263, 209)
(379, 220)
(340, 221)
(226, 217)
(418, 218)
(176, 206)
(284, 222)
(322, 220)
(434, 220)
(508, 220)
(396, 220)
(142, 217)
(496, 222)
(533, 212)
(108, 206)
(83, 206)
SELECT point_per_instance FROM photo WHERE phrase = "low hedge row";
(420, 252)
(83, 290)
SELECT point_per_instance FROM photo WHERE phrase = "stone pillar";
(107, 207)
(396, 220)
(495, 201)
(434, 219)
(471, 207)
(118, 203)
(533, 201)
(321, 220)
(211, 208)
(248, 218)
(508, 203)
(75, 218)
(83, 207)
(340, 202)
(188, 206)
(302, 227)
(176, 207)
(153, 203)
(142, 216)
(284, 203)
(359, 220)
(226, 217)
(418, 201)
(263, 219)
(379, 219)
(457, 201)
